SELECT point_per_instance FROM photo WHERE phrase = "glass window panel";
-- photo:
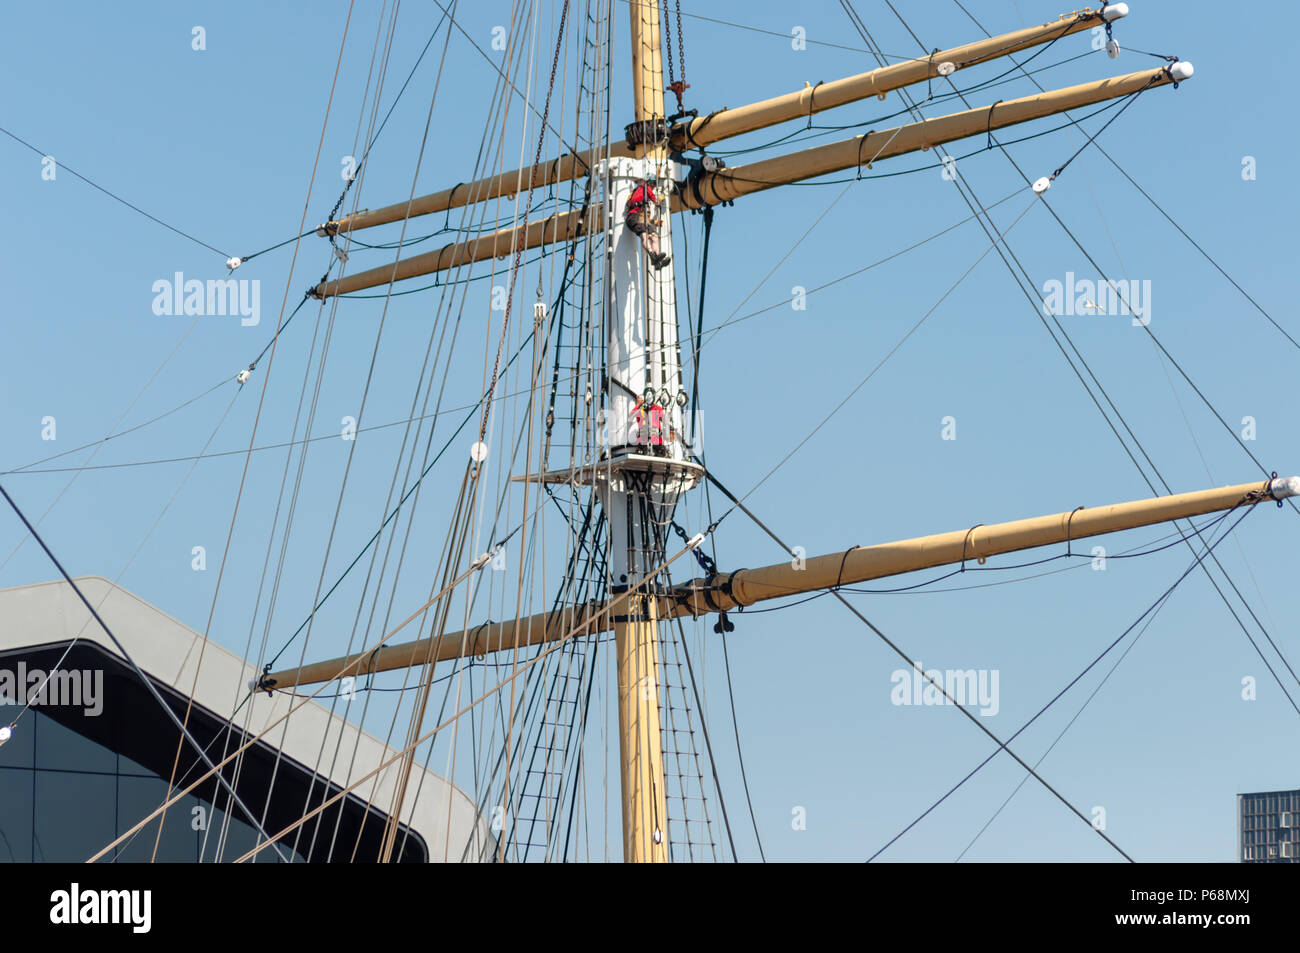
(15, 815)
(74, 814)
(82, 794)
(229, 837)
(60, 747)
(240, 838)
(139, 797)
(126, 766)
(17, 751)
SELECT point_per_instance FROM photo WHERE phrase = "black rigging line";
(26, 468)
(373, 139)
(409, 76)
(145, 680)
(821, 130)
(1068, 725)
(785, 302)
(113, 436)
(704, 728)
(288, 241)
(699, 325)
(280, 330)
(511, 83)
(396, 509)
(974, 719)
(1129, 100)
(740, 758)
(1206, 255)
(1149, 611)
(1036, 305)
(1156, 205)
(1231, 582)
(731, 692)
(859, 177)
(536, 680)
(117, 198)
(437, 283)
(784, 36)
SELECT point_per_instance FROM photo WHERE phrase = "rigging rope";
(253, 434)
(145, 680)
(523, 229)
(396, 509)
(1035, 303)
(1149, 611)
(1215, 558)
(1156, 205)
(699, 324)
(114, 196)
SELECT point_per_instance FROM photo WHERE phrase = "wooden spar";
(864, 563)
(564, 227)
(476, 642)
(725, 123)
(860, 151)
(860, 564)
(570, 166)
(728, 184)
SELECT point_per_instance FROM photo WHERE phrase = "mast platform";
(687, 472)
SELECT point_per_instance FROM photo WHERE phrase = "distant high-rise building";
(1268, 827)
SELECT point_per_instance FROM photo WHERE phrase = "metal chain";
(704, 559)
(681, 43)
(668, 42)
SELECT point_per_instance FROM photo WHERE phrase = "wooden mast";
(636, 632)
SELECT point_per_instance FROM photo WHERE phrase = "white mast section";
(645, 407)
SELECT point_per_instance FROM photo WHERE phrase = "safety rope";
(699, 323)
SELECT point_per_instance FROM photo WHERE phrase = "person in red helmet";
(642, 216)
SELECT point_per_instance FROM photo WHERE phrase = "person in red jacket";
(641, 215)
(649, 425)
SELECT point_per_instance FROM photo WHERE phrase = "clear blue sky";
(221, 143)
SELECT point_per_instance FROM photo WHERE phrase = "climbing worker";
(640, 423)
(642, 217)
(658, 428)
(648, 422)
